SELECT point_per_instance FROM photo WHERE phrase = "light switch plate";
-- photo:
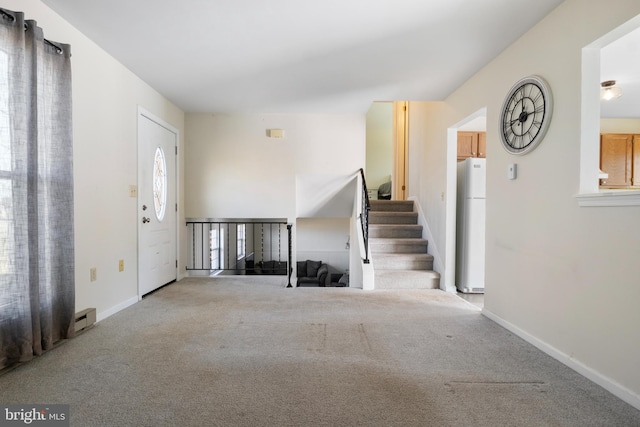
(512, 171)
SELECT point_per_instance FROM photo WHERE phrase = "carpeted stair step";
(397, 231)
(402, 246)
(407, 279)
(384, 217)
(399, 253)
(403, 262)
(392, 205)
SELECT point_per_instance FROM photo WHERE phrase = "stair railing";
(364, 216)
(240, 246)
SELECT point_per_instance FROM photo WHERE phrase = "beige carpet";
(246, 352)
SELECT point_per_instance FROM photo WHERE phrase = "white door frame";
(448, 283)
(400, 178)
(144, 113)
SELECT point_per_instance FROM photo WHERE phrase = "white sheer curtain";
(37, 289)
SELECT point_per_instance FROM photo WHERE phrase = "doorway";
(387, 154)
(613, 57)
(474, 122)
(157, 203)
(401, 150)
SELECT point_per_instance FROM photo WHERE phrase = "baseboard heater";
(85, 319)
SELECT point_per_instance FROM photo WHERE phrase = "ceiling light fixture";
(609, 90)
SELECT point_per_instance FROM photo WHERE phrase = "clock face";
(526, 114)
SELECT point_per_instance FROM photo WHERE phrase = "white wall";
(324, 239)
(233, 170)
(563, 276)
(428, 174)
(325, 196)
(425, 171)
(379, 165)
(105, 100)
(620, 125)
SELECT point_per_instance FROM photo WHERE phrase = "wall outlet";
(133, 191)
(121, 265)
(93, 274)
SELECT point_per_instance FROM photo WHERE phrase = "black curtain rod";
(9, 16)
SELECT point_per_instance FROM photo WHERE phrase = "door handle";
(145, 220)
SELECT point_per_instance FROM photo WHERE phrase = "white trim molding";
(116, 308)
(609, 198)
(432, 248)
(608, 384)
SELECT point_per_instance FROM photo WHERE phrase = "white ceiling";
(299, 55)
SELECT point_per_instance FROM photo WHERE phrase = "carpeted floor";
(240, 352)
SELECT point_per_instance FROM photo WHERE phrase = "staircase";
(398, 251)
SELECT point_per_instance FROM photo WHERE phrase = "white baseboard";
(113, 310)
(613, 387)
(432, 249)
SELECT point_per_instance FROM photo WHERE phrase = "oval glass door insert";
(159, 183)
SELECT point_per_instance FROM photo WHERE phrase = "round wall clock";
(526, 114)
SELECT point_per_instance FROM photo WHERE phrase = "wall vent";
(85, 319)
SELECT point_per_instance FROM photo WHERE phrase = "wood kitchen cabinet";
(482, 144)
(620, 159)
(472, 144)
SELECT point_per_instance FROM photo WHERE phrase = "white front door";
(157, 242)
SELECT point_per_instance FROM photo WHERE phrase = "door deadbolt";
(144, 207)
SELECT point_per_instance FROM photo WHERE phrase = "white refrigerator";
(470, 225)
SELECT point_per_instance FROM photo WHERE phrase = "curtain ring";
(7, 15)
(58, 49)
